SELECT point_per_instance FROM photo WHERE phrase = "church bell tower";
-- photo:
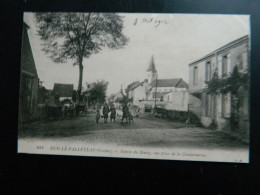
(151, 72)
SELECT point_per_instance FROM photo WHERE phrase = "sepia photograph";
(135, 85)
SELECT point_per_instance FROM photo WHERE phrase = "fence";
(48, 112)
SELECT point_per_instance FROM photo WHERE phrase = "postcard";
(130, 85)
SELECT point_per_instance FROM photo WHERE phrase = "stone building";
(29, 81)
(153, 90)
(226, 110)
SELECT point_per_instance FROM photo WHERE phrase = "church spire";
(151, 67)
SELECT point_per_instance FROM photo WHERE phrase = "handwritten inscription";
(153, 21)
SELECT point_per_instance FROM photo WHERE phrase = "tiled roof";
(63, 90)
(138, 85)
(159, 94)
(133, 85)
(151, 67)
(178, 83)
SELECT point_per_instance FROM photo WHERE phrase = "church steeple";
(151, 67)
(151, 71)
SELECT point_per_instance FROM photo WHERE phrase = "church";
(153, 89)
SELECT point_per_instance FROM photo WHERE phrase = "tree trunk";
(80, 79)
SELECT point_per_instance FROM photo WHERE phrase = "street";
(146, 133)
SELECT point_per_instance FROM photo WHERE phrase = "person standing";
(125, 113)
(113, 113)
(105, 112)
(97, 115)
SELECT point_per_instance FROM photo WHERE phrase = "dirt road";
(142, 133)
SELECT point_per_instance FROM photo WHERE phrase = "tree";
(97, 94)
(230, 84)
(75, 36)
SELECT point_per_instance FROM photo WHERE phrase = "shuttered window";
(224, 66)
(208, 71)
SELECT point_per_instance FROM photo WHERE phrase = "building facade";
(138, 93)
(153, 90)
(29, 81)
(226, 109)
(63, 91)
(159, 87)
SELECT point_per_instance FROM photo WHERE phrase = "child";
(97, 115)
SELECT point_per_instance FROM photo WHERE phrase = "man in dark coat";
(105, 112)
(125, 113)
(113, 113)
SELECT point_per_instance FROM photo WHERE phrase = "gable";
(63, 90)
(27, 60)
(182, 84)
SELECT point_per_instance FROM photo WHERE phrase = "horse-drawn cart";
(81, 107)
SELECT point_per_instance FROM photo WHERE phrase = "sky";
(174, 40)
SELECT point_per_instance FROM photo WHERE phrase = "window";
(195, 75)
(223, 103)
(210, 105)
(161, 98)
(208, 71)
(224, 66)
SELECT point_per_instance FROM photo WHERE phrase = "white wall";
(201, 76)
(178, 101)
(139, 93)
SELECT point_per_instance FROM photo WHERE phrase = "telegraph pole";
(155, 94)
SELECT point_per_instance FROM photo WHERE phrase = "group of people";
(126, 114)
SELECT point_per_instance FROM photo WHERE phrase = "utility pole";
(155, 94)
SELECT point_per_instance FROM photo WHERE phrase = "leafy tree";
(228, 84)
(97, 94)
(75, 36)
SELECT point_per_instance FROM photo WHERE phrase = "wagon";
(160, 111)
(81, 107)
